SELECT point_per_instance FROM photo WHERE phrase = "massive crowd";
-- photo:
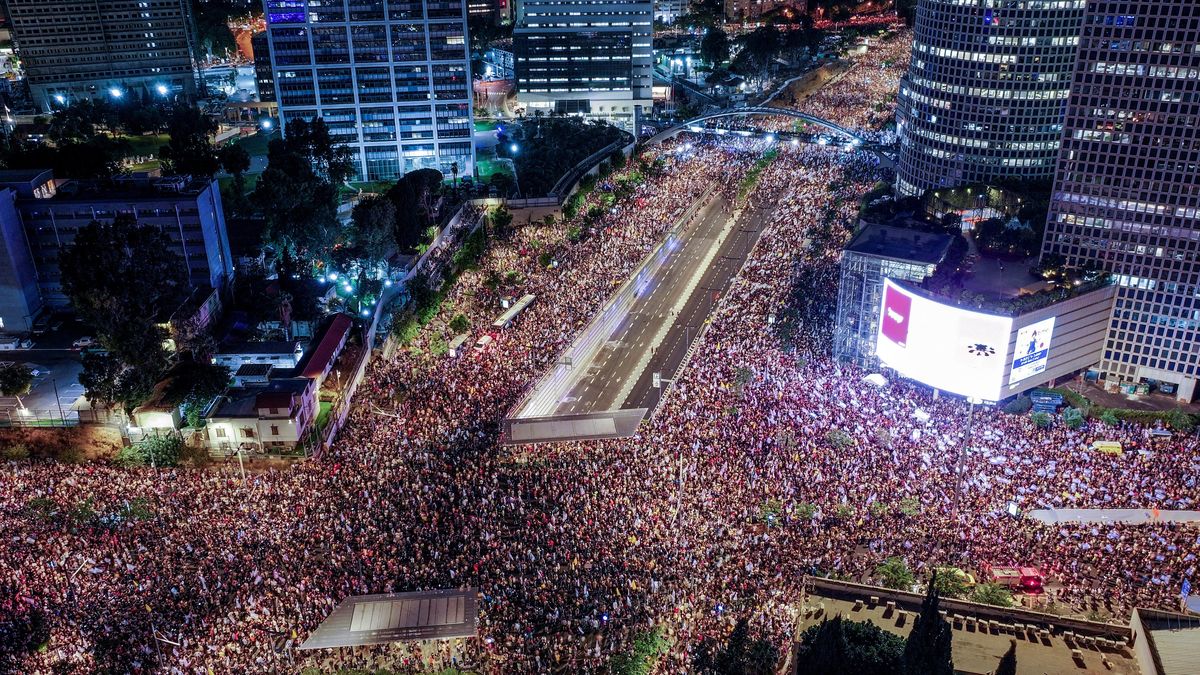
(791, 464)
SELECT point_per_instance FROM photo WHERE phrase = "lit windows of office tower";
(391, 79)
(1126, 194)
(116, 49)
(984, 95)
(585, 57)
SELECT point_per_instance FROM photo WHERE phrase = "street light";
(162, 89)
(60, 99)
(266, 124)
(115, 92)
(513, 148)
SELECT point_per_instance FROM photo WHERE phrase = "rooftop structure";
(876, 252)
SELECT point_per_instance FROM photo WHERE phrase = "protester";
(791, 464)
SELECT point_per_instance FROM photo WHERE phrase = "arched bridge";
(885, 153)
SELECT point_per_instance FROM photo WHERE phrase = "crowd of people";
(766, 461)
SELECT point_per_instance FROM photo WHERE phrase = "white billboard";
(1032, 350)
(946, 347)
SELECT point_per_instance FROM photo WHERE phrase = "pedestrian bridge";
(885, 153)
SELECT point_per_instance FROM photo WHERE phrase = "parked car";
(8, 342)
(85, 342)
(26, 342)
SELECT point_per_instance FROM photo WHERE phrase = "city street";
(669, 306)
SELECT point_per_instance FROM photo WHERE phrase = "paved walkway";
(1128, 516)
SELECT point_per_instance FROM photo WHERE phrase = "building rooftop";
(897, 243)
(8, 176)
(273, 347)
(254, 370)
(319, 357)
(1174, 641)
(246, 401)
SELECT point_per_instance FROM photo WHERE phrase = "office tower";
(264, 79)
(72, 50)
(585, 57)
(984, 95)
(1126, 195)
(391, 78)
(188, 212)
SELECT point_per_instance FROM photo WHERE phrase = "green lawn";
(486, 125)
(146, 166)
(145, 145)
(376, 187)
(251, 180)
(323, 414)
(487, 167)
(256, 144)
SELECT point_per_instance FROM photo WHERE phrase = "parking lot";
(56, 367)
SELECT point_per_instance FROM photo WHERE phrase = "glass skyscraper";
(1126, 195)
(391, 78)
(984, 94)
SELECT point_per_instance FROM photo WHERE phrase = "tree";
(413, 196)
(714, 48)
(16, 379)
(840, 647)
(109, 380)
(894, 573)
(1073, 418)
(501, 220)
(374, 220)
(927, 651)
(236, 161)
(742, 654)
(992, 594)
(313, 142)
(190, 150)
(949, 583)
(454, 171)
(1008, 662)
(119, 276)
(297, 200)
(161, 450)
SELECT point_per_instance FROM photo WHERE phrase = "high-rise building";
(984, 95)
(72, 50)
(585, 57)
(1126, 196)
(391, 79)
(264, 79)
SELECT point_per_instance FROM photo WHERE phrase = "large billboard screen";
(1032, 350)
(946, 347)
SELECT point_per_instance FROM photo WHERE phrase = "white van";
(482, 343)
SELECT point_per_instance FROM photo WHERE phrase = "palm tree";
(454, 170)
